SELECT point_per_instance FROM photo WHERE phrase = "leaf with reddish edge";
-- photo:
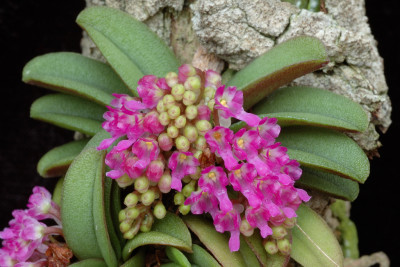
(313, 243)
(215, 242)
(247, 253)
(56, 161)
(267, 260)
(201, 257)
(279, 66)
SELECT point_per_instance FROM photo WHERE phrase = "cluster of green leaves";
(311, 121)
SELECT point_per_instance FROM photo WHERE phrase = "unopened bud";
(142, 184)
(132, 213)
(174, 112)
(179, 198)
(203, 126)
(172, 131)
(180, 122)
(191, 112)
(209, 93)
(188, 189)
(159, 210)
(165, 142)
(165, 183)
(197, 174)
(190, 132)
(198, 154)
(133, 231)
(182, 143)
(125, 226)
(164, 118)
(169, 101)
(131, 200)
(147, 222)
(289, 222)
(160, 107)
(201, 143)
(177, 91)
(193, 84)
(184, 209)
(279, 232)
(189, 98)
(121, 215)
(124, 181)
(245, 228)
(171, 79)
(271, 247)
(155, 170)
(148, 197)
(211, 104)
(284, 246)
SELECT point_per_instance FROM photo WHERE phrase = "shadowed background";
(30, 28)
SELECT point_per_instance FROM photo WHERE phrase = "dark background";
(33, 27)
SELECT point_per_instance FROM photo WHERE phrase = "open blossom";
(26, 239)
(176, 136)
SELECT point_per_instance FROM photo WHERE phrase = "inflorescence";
(176, 135)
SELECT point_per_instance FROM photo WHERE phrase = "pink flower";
(212, 79)
(213, 180)
(268, 130)
(151, 90)
(202, 202)
(242, 179)
(219, 139)
(259, 217)
(151, 123)
(186, 71)
(41, 206)
(230, 103)
(230, 221)
(181, 164)
(147, 150)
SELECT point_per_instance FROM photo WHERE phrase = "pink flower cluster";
(169, 132)
(24, 241)
(260, 170)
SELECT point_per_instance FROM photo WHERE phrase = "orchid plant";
(176, 171)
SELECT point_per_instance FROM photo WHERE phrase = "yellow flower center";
(182, 157)
(149, 145)
(217, 136)
(211, 175)
(240, 143)
(223, 102)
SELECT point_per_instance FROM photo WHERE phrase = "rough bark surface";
(237, 31)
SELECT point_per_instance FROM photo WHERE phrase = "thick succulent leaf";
(57, 192)
(313, 243)
(169, 231)
(56, 162)
(215, 242)
(201, 257)
(279, 66)
(72, 73)
(138, 260)
(116, 207)
(127, 44)
(90, 263)
(247, 253)
(177, 256)
(69, 112)
(325, 149)
(77, 204)
(315, 107)
(266, 260)
(329, 183)
(100, 202)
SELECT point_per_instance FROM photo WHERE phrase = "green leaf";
(177, 256)
(215, 242)
(127, 44)
(315, 107)
(69, 112)
(77, 204)
(56, 162)
(201, 257)
(327, 150)
(90, 263)
(72, 73)
(247, 253)
(328, 183)
(115, 207)
(100, 204)
(266, 260)
(57, 192)
(169, 231)
(313, 243)
(136, 261)
(279, 66)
